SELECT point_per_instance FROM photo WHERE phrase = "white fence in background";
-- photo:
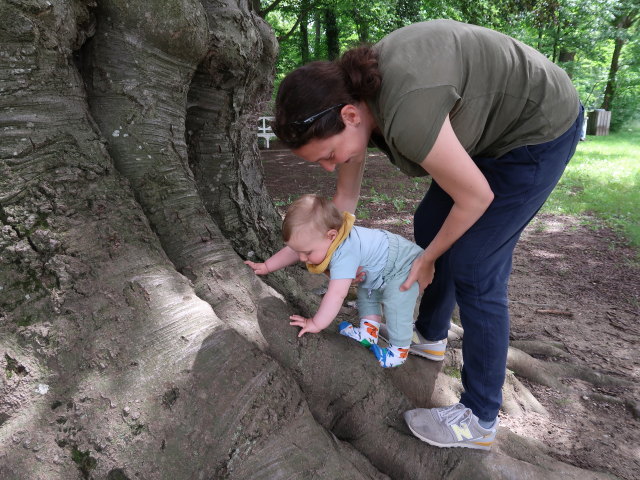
(264, 129)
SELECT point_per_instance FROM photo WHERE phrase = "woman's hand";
(258, 268)
(360, 276)
(306, 323)
(422, 271)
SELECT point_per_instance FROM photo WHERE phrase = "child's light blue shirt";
(364, 247)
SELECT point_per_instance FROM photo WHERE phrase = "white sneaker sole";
(427, 350)
(476, 445)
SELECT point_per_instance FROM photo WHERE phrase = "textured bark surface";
(134, 343)
(113, 365)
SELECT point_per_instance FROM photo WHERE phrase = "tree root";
(362, 404)
(550, 374)
(518, 398)
(545, 349)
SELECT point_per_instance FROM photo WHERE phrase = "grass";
(452, 372)
(603, 178)
(375, 197)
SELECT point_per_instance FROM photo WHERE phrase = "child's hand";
(306, 323)
(258, 268)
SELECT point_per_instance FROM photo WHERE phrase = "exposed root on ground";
(554, 373)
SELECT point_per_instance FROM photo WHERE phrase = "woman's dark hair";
(319, 86)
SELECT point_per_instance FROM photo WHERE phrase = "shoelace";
(454, 414)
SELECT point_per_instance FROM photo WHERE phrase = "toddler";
(316, 233)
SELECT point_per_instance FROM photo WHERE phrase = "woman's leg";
(480, 261)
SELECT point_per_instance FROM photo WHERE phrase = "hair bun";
(360, 68)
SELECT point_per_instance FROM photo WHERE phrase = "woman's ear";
(350, 115)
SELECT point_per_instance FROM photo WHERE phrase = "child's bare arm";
(329, 308)
(281, 259)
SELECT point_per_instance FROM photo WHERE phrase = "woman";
(494, 123)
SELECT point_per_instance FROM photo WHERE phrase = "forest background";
(595, 41)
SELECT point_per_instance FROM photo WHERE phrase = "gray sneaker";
(454, 426)
(419, 345)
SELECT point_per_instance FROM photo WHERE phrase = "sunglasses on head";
(302, 125)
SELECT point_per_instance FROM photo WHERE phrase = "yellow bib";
(343, 233)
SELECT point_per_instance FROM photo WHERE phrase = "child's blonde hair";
(311, 211)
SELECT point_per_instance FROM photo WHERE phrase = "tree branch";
(265, 11)
(295, 26)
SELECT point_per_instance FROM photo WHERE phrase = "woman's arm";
(452, 168)
(329, 308)
(347, 193)
(348, 184)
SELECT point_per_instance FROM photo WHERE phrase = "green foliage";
(452, 372)
(577, 34)
(626, 104)
(399, 204)
(13, 366)
(85, 461)
(363, 213)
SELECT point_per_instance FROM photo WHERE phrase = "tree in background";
(304, 32)
(625, 15)
(407, 12)
(332, 32)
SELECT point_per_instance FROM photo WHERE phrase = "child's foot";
(431, 349)
(366, 335)
(390, 356)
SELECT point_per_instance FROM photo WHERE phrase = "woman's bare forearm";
(348, 185)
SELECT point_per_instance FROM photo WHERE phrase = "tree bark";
(122, 371)
(567, 59)
(610, 89)
(621, 24)
(331, 32)
(317, 24)
(304, 33)
(362, 26)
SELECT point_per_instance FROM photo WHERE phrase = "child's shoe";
(367, 334)
(390, 356)
(433, 350)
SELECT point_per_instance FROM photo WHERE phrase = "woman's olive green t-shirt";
(499, 93)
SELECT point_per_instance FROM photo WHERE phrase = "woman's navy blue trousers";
(474, 272)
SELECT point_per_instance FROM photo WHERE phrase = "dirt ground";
(585, 274)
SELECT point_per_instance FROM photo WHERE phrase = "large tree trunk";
(134, 342)
(119, 368)
(362, 25)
